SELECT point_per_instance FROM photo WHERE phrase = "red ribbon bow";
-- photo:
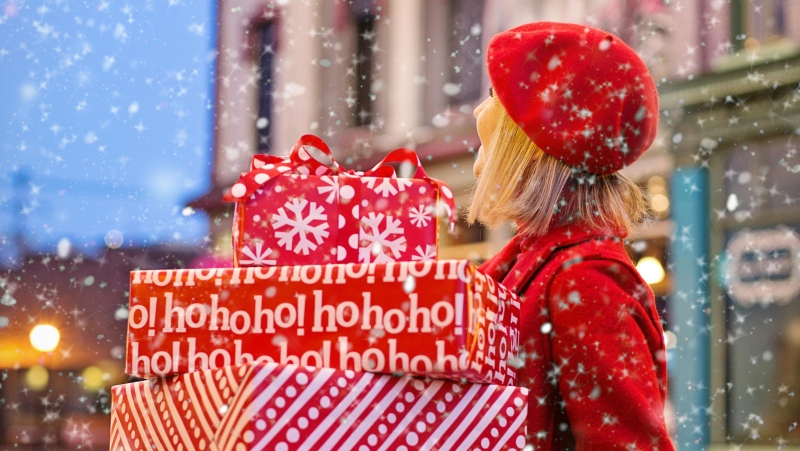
(301, 161)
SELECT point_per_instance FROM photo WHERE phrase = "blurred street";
(124, 125)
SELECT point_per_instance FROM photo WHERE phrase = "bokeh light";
(114, 239)
(651, 270)
(45, 337)
(94, 378)
(37, 377)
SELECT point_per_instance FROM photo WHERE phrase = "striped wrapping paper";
(274, 407)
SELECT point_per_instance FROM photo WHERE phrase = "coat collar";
(523, 256)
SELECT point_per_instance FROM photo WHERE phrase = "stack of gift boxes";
(337, 328)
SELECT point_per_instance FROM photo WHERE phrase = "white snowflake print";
(380, 243)
(331, 187)
(259, 257)
(300, 226)
(424, 255)
(256, 218)
(386, 188)
(420, 216)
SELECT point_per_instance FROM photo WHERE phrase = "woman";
(569, 107)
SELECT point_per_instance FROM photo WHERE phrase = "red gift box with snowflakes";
(440, 319)
(298, 210)
(270, 406)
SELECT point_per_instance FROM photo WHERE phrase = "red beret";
(581, 94)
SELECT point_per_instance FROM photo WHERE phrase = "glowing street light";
(44, 337)
(651, 270)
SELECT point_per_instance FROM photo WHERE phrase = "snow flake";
(420, 216)
(424, 255)
(300, 226)
(8, 300)
(259, 257)
(386, 188)
(256, 218)
(381, 242)
(331, 187)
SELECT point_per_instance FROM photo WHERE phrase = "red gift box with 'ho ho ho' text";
(298, 210)
(441, 318)
(270, 406)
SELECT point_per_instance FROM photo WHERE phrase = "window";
(763, 334)
(465, 59)
(266, 37)
(757, 22)
(761, 178)
(761, 279)
(364, 20)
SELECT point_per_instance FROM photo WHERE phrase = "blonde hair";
(521, 183)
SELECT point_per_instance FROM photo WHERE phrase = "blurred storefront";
(723, 176)
(733, 130)
(734, 136)
(63, 345)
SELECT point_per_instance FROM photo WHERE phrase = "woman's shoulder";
(601, 279)
(600, 252)
(597, 263)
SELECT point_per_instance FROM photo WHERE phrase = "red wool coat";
(592, 344)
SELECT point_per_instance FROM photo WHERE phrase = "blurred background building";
(368, 76)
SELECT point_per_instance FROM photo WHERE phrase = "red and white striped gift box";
(269, 406)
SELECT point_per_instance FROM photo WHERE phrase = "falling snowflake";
(424, 255)
(420, 216)
(331, 187)
(259, 257)
(386, 188)
(379, 243)
(793, 169)
(300, 226)
(7, 300)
